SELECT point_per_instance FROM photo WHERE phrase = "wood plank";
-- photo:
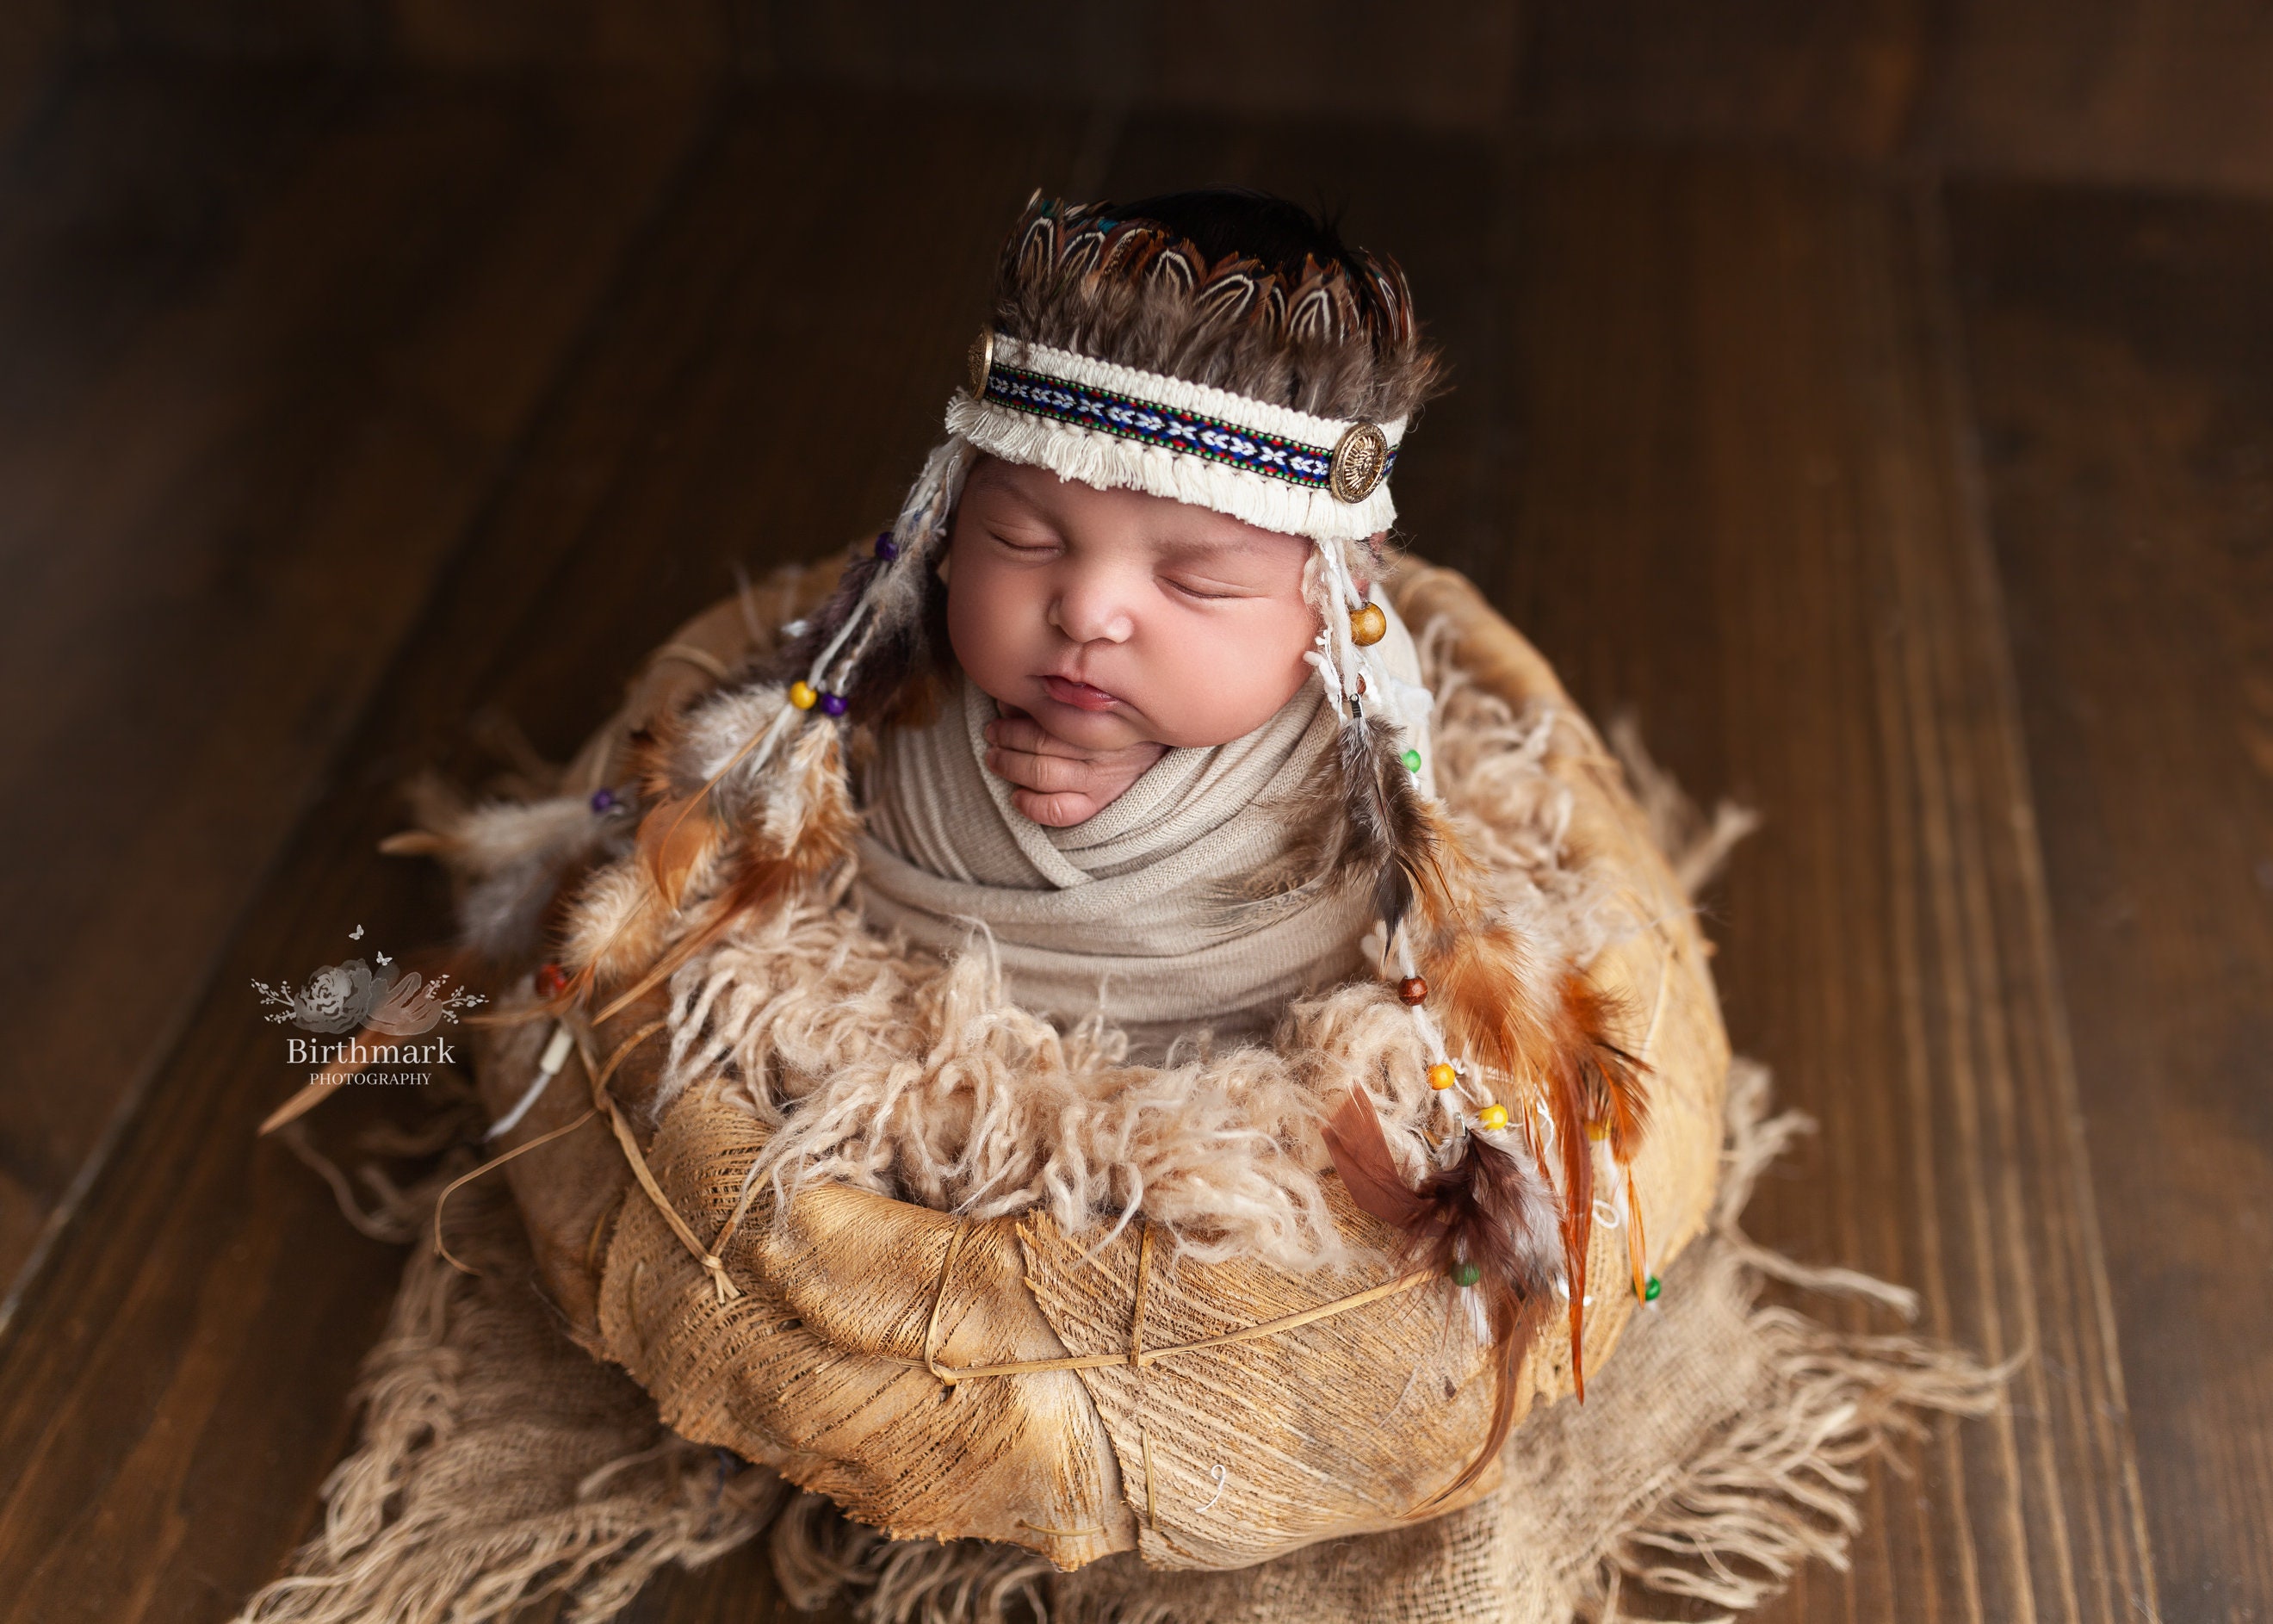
(1833, 80)
(2104, 90)
(1744, 509)
(764, 383)
(269, 338)
(32, 52)
(2123, 353)
(2135, 91)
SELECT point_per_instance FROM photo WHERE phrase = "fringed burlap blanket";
(499, 1464)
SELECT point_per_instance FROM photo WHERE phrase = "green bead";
(1412, 761)
(1465, 1274)
(1649, 1292)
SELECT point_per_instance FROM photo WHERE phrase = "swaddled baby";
(1129, 763)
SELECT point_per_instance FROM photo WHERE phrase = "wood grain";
(2121, 92)
(242, 432)
(569, 356)
(176, 1385)
(1743, 509)
(2136, 91)
(2123, 353)
(1840, 80)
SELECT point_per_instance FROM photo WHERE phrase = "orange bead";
(1368, 625)
(1442, 1077)
(1413, 989)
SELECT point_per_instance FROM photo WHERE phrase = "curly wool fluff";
(876, 1067)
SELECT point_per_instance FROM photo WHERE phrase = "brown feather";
(1486, 1209)
(1391, 840)
(773, 854)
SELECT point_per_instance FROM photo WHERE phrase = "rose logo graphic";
(352, 996)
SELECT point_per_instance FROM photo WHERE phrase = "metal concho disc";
(1360, 462)
(982, 360)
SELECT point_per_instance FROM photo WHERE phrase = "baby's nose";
(1090, 611)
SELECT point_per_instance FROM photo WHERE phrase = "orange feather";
(674, 836)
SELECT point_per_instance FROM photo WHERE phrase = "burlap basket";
(1007, 1381)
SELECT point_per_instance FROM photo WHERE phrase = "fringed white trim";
(1112, 463)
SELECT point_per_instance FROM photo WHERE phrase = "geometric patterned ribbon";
(1155, 425)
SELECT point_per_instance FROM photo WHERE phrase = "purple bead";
(887, 549)
(833, 704)
(604, 800)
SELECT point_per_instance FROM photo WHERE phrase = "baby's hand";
(1058, 783)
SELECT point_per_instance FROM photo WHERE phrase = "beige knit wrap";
(1136, 914)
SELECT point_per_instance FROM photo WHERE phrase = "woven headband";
(1119, 427)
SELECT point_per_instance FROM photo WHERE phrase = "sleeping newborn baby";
(1132, 751)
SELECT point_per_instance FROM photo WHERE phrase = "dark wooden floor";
(1880, 410)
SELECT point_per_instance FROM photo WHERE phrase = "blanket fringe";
(459, 1506)
(821, 1556)
(1731, 1524)
(430, 1518)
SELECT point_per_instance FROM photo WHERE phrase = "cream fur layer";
(893, 1072)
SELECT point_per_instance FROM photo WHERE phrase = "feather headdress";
(1120, 353)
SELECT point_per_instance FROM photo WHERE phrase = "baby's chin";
(1089, 730)
(1122, 726)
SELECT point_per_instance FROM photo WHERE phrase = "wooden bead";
(1368, 625)
(1464, 1273)
(1493, 1116)
(1650, 1292)
(1412, 760)
(1442, 1077)
(551, 981)
(801, 695)
(1598, 1131)
(1413, 989)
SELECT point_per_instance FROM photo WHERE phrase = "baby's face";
(1115, 618)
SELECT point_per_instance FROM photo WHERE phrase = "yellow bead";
(1442, 1077)
(1598, 1131)
(1368, 625)
(1492, 1116)
(801, 695)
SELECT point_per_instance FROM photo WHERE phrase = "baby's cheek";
(981, 622)
(1226, 682)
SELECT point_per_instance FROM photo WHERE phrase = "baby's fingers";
(1058, 811)
(1049, 774)
(1023, 732)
